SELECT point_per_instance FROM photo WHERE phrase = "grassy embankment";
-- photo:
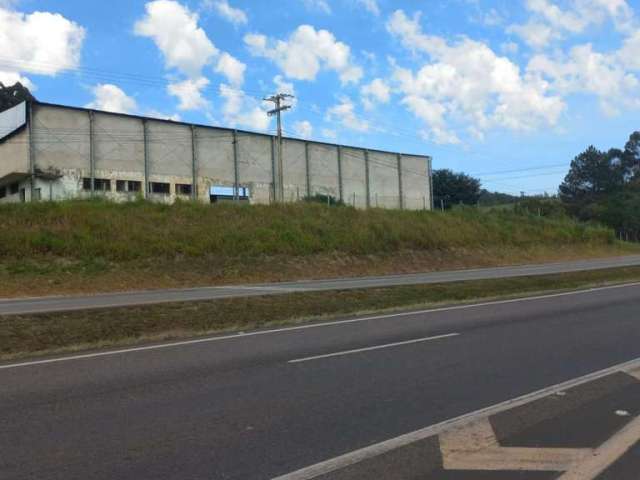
(91, 246)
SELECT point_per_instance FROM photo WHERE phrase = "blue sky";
(507, 90)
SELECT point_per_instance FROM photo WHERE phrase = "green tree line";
(601, 186)
(605, 186)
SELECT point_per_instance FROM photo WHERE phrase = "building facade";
(55, 152)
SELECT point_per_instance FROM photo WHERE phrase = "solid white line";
(371, 451)
(376, 347)
(309, 326)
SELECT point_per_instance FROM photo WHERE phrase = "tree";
(451, 188)
(593, 174)
(12, 96)
(632, 156)
(621, 211)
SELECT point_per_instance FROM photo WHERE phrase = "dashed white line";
(313, 325)
(375, 347)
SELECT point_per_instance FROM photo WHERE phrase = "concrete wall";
(295, 170)
(214, 149)
(323, 170)
(384, 181)
(415, 182)
(14, 154)
(254, 166)
(354, 177)
(64, 139)
(60, 138)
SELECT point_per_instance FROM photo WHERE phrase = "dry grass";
(30, 335)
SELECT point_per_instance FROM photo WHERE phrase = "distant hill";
(489, 199)
(11, 96)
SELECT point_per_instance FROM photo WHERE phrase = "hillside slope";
(87, 246)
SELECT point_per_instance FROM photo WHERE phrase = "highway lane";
(238, 408)
(121, 299)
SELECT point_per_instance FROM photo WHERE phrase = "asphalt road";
(263, 404)
(66, 303)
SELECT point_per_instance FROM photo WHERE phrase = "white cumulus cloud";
(175, 31)
(584, 70)
(305, 53)
(375, 92)
(344, 113)
(370, 5)
(232, 68)
(241, 110)
(467, 83)
(550, 22)
(41, 43)
(234, 15)
(318, 5)
(112, 98)
(189, 93)
(303, 129)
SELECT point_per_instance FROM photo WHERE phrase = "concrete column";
(367, 179)
(430, 173)
(32, 153)
(340, 180)
(236, 172)
(400, 188)
(307, 168)
(145, 137)
(194, 164)
(92, 156)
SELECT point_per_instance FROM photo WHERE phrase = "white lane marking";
(313, 325)
(376, 347)
(374, 450)
(606, 454)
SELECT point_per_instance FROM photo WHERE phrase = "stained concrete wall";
(254, 166)
(384, 180)
(295, 169)
(119, 145)
(323, 169)
(61, 136)
(14, 154)
(214, 147)
(354, 177)
(415, 182)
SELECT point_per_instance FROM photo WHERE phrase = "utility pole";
(280, 107)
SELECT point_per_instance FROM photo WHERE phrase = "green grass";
(90, 230)
(30, 335)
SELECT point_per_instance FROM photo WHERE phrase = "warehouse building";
(55, 152)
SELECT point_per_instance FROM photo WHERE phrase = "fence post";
(307, 169)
